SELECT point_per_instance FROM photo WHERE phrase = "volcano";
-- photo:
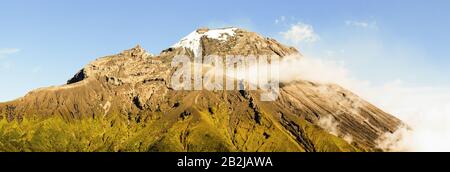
(125, 102)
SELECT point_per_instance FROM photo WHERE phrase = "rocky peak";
(136, 52)
(111, 65)
(202, 30)
(230, 41)
(135, 62)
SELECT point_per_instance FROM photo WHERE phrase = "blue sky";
(45, 42)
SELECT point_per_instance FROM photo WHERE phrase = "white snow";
(192, 41)
(220, 34)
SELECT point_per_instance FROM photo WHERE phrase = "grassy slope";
(202, 130)
(202, 122)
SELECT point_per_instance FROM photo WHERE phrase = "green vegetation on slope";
(200, 131)
(200, 122)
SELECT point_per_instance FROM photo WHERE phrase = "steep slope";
(125, 102)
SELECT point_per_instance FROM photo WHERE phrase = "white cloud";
(329, 124)
(280, 19)
(362, 24)
(7, 51)
(426, 110)
(300, 33)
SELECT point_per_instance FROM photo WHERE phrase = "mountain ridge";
(131, 90)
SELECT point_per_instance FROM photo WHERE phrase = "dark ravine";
(124, 102)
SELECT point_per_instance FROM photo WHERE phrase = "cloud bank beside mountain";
(425, 109)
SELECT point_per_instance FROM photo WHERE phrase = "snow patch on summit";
(192, 41)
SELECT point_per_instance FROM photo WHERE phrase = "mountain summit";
(124, 102)
(231, 41)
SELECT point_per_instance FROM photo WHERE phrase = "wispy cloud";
(280, 19)
(5, 66)
(300, 33)
(362, 24)
(4, 52)
(7, 51)
(36, 69)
